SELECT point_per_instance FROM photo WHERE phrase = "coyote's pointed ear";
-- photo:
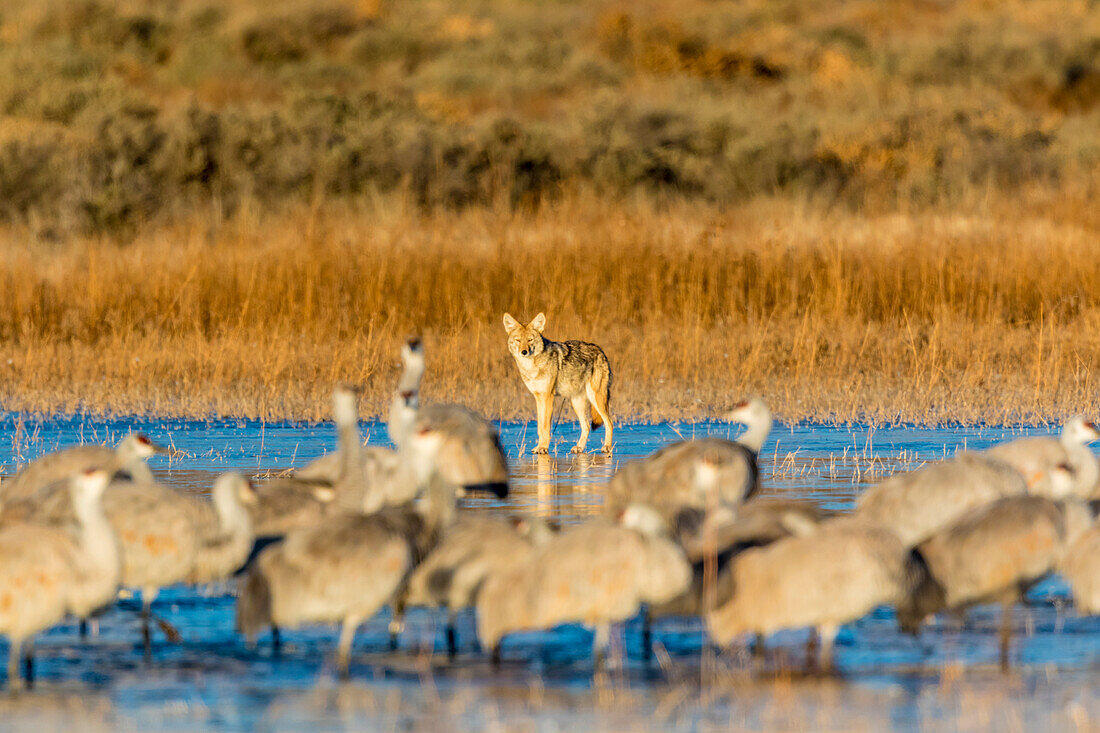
(538, 322)
(510, 324)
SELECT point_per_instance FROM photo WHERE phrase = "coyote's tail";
(601, 387)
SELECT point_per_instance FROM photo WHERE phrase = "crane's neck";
(98, 544)
(351, 457)
(757, 433)
(233, 518)
(403, 410)
(406, 400)
(1086, 470)
(411, 376)
(438, 506)
(390, 482)
(123, 461)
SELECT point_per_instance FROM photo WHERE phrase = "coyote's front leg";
(544, 406)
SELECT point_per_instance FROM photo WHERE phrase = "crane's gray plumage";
(452, 574)
(127, 458)
(995, 553)
(471, 456)
(350, 564)
(836, 574)
(695, 473)
(50, 570)
(157, 529)
(1081, 568)
(286, 504)
(1038, 458)
(596, 573)
(343, 569)
(225, 529)
(711, 540)
(917, 504)
(324, 470)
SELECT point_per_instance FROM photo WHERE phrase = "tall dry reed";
(984, 314)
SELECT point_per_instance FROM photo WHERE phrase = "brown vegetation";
(830, 316)
(113, 114)
(855, 208)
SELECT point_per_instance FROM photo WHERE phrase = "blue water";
(946, 678)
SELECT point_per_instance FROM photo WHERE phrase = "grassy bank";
(858, 209)
(990, 314)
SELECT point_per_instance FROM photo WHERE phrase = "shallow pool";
(947, 678)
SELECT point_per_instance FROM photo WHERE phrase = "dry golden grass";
(988, 313)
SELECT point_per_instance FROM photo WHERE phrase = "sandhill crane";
(285, 504)
(159, 539)
(451, 576)
(225, 529)
(597, 573)
(836, 574)
(373, 476)
(1081, 568)
(127, 457)
(403, 407)
(994, 554)
(47, 571)
(353, 478)
(1037, 458)
(468, 458)
(406, 398)
(712, 539)
(680, 475)
(348, 566)
(917, 504)
(381, 469)
(343, 569)
(471, 455)
(370, 477)
(156, 528)
(757, 522)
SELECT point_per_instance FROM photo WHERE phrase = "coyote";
(574, 369)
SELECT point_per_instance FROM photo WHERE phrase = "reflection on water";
(944, 679)
(561, 488)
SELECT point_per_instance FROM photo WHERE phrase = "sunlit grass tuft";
(986, 314)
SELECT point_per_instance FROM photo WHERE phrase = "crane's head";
(139, 446)
(750, 412)
(1079, 431)
(87, 488)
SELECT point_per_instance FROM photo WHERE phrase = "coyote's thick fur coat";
(576, 370)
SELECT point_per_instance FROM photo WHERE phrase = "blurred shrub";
(294, 37)
(664, 48)
(157, 107)
(90, 24)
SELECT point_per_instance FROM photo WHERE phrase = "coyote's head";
(525, 341)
